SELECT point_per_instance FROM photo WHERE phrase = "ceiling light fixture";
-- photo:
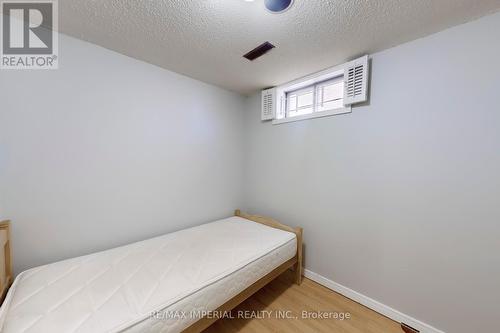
(278, 6)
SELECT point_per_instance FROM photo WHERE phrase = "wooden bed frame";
(5, 260)
(295, 263)
(203, 323)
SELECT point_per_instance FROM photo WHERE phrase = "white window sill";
(328, 113)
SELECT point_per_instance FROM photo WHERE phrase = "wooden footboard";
(5, 260)
(295, 262)
(275, 224)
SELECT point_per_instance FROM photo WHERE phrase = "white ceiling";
(205, 39)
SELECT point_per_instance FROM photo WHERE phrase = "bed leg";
(298, 265)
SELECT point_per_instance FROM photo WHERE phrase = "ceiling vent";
(356, 81)
(259, 51)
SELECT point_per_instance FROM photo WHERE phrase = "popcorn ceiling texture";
(206, 39)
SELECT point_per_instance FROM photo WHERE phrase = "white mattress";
(177, 275)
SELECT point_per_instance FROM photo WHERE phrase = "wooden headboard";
(5, 260)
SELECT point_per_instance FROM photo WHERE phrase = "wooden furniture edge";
(6, 280)
(298, 231)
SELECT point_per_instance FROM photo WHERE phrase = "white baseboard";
(371, 303)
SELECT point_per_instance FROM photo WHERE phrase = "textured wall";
(400, 199)
(108, 150)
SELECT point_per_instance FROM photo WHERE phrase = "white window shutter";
(356, 81)
(268, 103)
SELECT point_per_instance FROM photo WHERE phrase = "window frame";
(320, 87)
(313, 80)
(298, 92)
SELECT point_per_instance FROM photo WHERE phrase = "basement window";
(319, 95)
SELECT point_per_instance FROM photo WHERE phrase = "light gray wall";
(108, 150)
(400, 200)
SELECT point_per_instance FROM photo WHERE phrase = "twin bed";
(178, 282)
